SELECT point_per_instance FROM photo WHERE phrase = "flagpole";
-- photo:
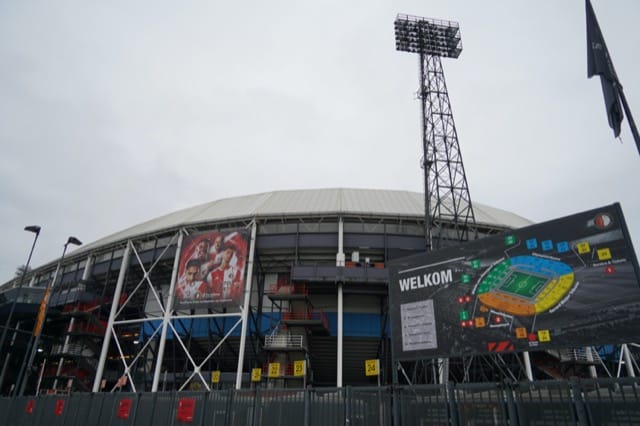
(599, 62)
(627, 111)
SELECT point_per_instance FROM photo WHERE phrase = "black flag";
(599, 63)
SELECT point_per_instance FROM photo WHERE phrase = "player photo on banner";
(212, 270)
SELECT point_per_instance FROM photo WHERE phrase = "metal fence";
(576, 402)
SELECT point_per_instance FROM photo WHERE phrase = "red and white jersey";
(227, 281)
(187, 290)
(236, 240)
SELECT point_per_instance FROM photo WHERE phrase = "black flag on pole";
(599, 63)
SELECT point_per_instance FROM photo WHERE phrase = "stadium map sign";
(570, 282)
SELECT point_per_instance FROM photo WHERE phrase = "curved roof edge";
(306, 202)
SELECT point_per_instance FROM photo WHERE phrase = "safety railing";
(309, 315)
(582, 355)
(283, 341)
(288, 289)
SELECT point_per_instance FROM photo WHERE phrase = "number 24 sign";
(372, 367)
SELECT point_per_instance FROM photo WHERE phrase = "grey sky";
(113, 113)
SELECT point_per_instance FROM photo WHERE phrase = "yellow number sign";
(372, 367)
(604, 254)
(299, 368)
(544, 335)
(521, 333)
(583, 247)
(274, 369)
(215, 376)
(256, 374)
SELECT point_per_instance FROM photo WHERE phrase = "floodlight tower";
(448, 210)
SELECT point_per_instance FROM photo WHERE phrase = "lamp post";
(34, 341)
(36, 230)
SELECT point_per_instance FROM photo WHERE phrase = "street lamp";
(36, 230)
(32, 348)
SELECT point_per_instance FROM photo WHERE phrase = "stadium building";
(125, 313)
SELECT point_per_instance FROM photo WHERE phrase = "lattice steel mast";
(448, 210)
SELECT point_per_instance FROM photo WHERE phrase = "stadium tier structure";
(318, 294)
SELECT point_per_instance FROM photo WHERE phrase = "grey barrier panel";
(111, 403)
(242, 409)
(545, 403)
(6, 411)
(16, 412)
(217, 406)
(95, 410)
(423, 405)
(42, 411)
(60, 419)
(481, 404)
(50, 410)
(155, 409)
(369, 406)
(612, 401)
(5, 404)
(284, 407)
(586, 402)
(145, 410)
(164, 409)
(199, 399)
(78, 410)
(107, 414)
(327, 407)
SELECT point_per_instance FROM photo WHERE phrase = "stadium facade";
(313, 267)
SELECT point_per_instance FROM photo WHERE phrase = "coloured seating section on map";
(526, 285)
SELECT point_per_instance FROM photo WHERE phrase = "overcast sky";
(113, 113)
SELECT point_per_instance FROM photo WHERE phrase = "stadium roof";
(307, 202)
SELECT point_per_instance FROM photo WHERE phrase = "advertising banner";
(211, 272)
(570, 282)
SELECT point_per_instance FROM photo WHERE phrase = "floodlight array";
(428, 36)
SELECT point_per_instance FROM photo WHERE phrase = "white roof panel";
(310, 202)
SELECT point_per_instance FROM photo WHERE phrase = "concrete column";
(247, 305)
(527, 365)
(340, 256)
(593, 373)
(627, 361)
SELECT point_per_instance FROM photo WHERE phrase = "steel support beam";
(168, 310)
(124, 266)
